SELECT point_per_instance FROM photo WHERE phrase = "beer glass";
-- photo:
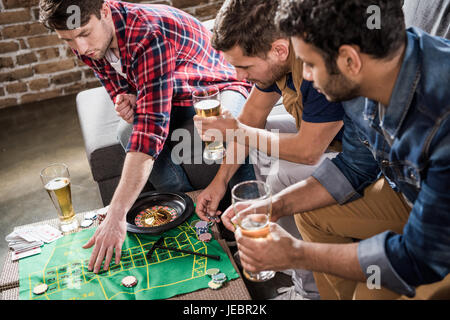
(207, 104)
(56, 180)
(253, 223)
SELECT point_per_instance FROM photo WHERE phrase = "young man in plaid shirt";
(149, 58)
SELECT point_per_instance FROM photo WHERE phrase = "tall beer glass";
(253, 223)
(207, 104)
(56, 180)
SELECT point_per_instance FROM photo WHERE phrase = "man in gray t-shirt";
(433, 16)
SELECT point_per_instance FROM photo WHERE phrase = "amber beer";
(59, 191)
(210, 108)
(56, 181)
(253, 208)
(255, 225)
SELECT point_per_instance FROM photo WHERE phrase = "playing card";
(20, 255)
(47, 233)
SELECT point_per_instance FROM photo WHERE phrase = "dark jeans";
(166, 174)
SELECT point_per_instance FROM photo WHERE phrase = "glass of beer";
(253, 223)
(207, 104)
(56, 180)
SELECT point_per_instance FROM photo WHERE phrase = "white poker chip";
(214, 285)
(129, 281)
(86, 223)
(91, 215)
(40, 289)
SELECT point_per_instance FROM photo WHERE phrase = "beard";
(276, 72)
(101, 52)
(339, 88)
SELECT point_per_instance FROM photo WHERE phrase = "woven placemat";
(233, 290)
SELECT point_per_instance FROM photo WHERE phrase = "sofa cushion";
(98, 122)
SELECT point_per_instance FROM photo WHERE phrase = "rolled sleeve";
(372, 252)
(335, 182)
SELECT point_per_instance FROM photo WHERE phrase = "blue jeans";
(169, 176)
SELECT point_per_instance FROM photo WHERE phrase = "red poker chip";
(206, 237)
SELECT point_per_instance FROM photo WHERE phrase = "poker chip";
(201, 225)
(193, 223)
(219, 277)
(206, 237)
(129, 281)
(214, 285)
(40, 289)
(212, 271)
(90, 215)
(86, 223)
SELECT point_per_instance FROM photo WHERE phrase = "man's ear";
(349, 60)
(105, 11)
(280, 49)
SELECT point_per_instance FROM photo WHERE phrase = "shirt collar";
(404, 88)
(119, 19)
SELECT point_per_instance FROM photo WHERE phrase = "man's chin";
(340, 98)
(97, 56)
(261, 85)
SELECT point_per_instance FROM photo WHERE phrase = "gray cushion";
(98, 122)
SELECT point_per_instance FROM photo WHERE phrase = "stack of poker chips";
(218, 278)
(201, 229)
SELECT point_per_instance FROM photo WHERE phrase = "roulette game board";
(156, 212)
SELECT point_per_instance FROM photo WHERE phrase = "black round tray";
(182, 203)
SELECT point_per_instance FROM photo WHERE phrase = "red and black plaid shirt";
(165, 54)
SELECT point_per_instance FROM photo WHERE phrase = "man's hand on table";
(107, 239)
(124, 104)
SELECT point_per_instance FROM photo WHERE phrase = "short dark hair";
(247, 23)
(54, 14)
(329, 24)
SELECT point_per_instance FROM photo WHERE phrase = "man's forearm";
(135, 173)
(303, 196)
(337, 259)
(306, 146)
(234, 158)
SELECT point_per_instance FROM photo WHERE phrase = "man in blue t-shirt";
(310, 125)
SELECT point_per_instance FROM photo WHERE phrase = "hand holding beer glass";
(56, 180)
(252, 204)
(207, 104)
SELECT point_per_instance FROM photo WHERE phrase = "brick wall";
(35, 65)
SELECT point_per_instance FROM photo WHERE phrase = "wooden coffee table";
(233, 290)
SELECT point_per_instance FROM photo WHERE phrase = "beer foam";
(207, 104)
(57, 183)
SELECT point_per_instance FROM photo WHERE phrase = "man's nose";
(307, 74)
(241, 75)
(81, 46)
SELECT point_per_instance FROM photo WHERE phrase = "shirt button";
(385, 162)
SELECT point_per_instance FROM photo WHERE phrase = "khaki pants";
(379, 210)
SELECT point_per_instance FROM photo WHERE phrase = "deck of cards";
(27, 241)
